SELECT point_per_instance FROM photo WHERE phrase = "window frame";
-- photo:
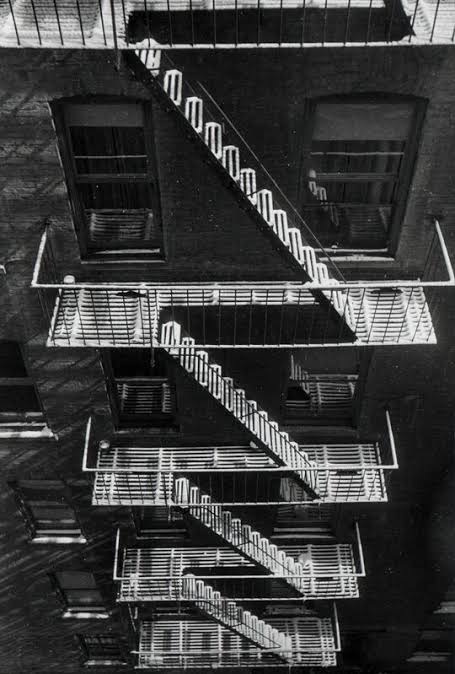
(404, 178)
(69, 167)
(71, 608)
(91, 659)
(21, 420)
(38, 534)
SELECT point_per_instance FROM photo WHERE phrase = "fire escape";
(212, 604)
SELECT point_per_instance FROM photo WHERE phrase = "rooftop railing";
(242, 315)
(235, 475)
(207, 24)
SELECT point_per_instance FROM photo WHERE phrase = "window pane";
(109, 149)
(357, 121)
(76, 579)
(116, 195)
(83, 597)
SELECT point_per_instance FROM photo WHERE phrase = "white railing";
(259, 315)
(141, 476)
(330, 572)
(276, 442)
(126, 24)
(204, 644)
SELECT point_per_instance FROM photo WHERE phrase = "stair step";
(173, 85)
(248, 183)
(280, 225)
(231, 161)
(194, 112)
(265, 205)
(213, 137)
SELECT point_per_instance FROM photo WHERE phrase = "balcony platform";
(202, 644)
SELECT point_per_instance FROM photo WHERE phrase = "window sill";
(59, 540)
(22, 430)
(85, 615)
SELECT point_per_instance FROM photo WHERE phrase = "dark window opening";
(357, 171)
(103, 649)
(110, 159)
(79, 592)
(19, 403)
(48, 515)
(144, 390)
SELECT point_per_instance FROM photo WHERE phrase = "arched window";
(357, 167)
(109, 159)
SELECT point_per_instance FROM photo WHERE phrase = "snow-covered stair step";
(194, 112)
(256, 421)
(242, 536)
(173, 85)
(227, 612)
(213, 138)
(231, 161)
(248, 183)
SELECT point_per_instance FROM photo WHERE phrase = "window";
(80, 595)
(103, 649)
(112, 178)
(319, 398)
(358, 166)
(143, 391)
(19, 403)
(47, 514)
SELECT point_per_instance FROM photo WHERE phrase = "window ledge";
(26, 431)
(60, 540)
(85, 615)
(105, 663)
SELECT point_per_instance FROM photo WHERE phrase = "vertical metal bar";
(265, 315)
(235, 316)
(324, 32)
(370, 9)
(192, 22)
(302, 40)
(214, 21)
(125, 25)
(111, 322)
(258, 23)
(435, 18)
(81, 322)
(405, 315)
(280, 36)
(35, 17)
(169, 18)
(103, 28)
(58, 22)
(147, 21)
(114, 27)
(80, 22)
(126, 320)
(11, 9)
(348, 16)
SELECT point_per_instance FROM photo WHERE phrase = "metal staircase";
(256, 421)
(245, 180)
(149, 575)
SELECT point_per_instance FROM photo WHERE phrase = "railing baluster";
(11, 9)
(81, 25)
(35, 17)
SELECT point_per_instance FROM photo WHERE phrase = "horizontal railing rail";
(141, 475)
(221, 24)
(242, 315)
(46, 275)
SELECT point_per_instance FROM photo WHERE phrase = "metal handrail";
(71, 283)
(275, 469)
